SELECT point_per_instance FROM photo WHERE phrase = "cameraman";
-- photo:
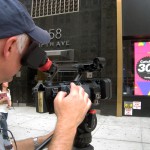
(17, 31)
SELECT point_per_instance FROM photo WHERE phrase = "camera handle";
(44, 143)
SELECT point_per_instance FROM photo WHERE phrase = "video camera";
(97, 89)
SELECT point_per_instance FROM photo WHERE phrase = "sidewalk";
(111, 133)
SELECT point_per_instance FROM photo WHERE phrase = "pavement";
(111, 133)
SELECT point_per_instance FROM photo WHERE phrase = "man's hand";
(73, 107)
(70, 110)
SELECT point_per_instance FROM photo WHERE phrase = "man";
(17, 31)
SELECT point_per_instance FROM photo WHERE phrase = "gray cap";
(15, 20)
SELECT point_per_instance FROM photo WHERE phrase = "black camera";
(44, 93)
(97, 88)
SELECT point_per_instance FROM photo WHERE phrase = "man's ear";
(9, 45)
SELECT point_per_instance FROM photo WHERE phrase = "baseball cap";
(15, 20)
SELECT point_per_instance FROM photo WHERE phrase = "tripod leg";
(83, 136)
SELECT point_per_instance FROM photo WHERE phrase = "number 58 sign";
(55, 33)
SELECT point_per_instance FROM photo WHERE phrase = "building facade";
(84, 29)
(80, 31)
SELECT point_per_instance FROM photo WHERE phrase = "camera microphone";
(36, 58)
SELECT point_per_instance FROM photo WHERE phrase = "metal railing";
(43, 8)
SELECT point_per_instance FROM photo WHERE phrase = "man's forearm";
(24, 144)
(28, 144)
(63, 137)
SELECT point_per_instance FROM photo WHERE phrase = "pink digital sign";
(142, 68)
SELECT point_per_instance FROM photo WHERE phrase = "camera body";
(98, 89)
(95, 88)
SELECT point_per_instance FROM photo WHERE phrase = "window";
(136, 67)
(142, 68)
(43, 8)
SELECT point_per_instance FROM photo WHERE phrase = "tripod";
(83, 136)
